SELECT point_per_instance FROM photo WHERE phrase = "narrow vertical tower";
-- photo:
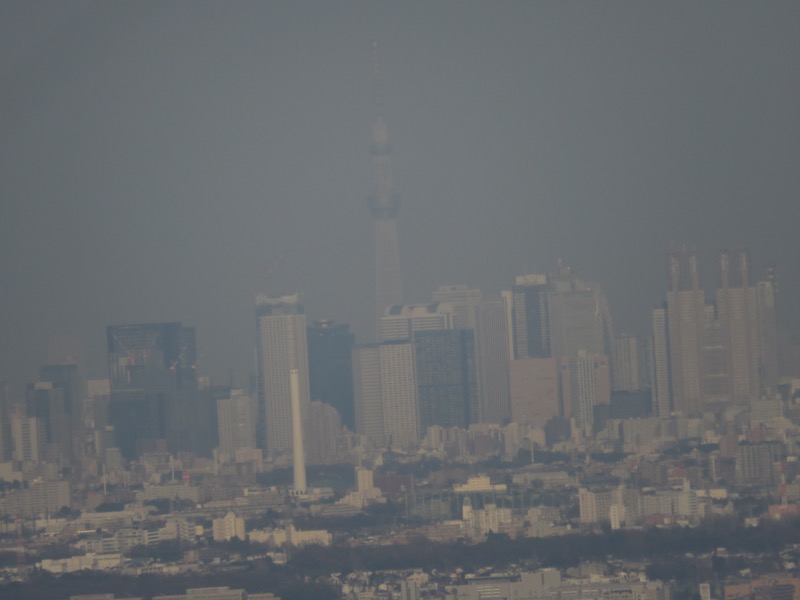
(297, 433)
(383, 205)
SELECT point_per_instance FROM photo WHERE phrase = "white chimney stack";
(298, 450)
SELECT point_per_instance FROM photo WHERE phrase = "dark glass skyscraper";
(152, 373)
(530, 317)
(447, 380)
(46, 402)
(66, 378)
(330, 367)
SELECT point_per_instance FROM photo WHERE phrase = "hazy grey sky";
(159, 157)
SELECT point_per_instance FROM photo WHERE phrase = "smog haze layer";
(167, 161)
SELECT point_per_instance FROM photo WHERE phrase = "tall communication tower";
(383, 205)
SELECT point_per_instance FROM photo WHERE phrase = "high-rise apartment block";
(282, 346)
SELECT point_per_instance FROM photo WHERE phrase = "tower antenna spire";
(377, 79)
(383, 206)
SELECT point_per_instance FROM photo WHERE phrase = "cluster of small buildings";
(215, 593)
(544, 584)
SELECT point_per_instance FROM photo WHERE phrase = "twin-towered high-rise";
(709, 355)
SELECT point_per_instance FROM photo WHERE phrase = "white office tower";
(27, 434)
(282, 346)
(401, 320)
(464, 300)
(297, 433)
(236, 422)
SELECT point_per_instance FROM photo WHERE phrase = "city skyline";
(155, 198)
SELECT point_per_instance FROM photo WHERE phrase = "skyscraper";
(446, 378)
(492, 355)
(768, 332)
(383, 206)
(487, 317)
(66, 378)
(534, 390)
(586, 382)
(626, 363)
(282, 346)
(737, 306)
(47, 404)
(330, 367)
(399, 394)
(578, 317)
(324, 434)
(401, 321)
(530, 317)
(153, 380)
(463, 299)
(686, 324)
(236, 420)
(368, 392)
(659, 364)
(6, 444)
(27, 434)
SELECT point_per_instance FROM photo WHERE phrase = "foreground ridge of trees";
(562, 551)
(257, 578)
(661, 548)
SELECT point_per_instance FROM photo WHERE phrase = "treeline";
(43, 586)
(561, 551)
(665, 550)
